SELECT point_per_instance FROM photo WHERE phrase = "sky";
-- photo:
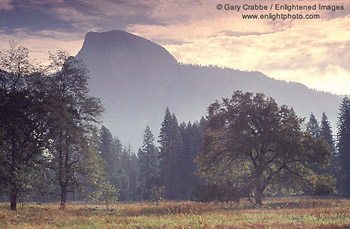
(315, 52)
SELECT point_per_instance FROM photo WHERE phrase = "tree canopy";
(258, 147)
(24, 118)
(344, 147)
(73, 115)
(148, 162)
(47, 122)
(170, 149)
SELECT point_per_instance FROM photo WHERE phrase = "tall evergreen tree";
(106, 145)
(344, 147)
(111, 150)
(184, 159)
(116, 160)
(129, 165)
(148, 163)
(192, 138)
(313, 126)
(326, 134)
(170, 150)
(125, 181)
(134, 178)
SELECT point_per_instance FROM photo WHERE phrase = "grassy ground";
(275, 213)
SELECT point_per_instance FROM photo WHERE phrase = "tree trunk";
(13, 197)
(259, 189)
(13, 185)
(63, 197)
(259, 196)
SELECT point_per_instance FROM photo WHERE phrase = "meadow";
(275, 213)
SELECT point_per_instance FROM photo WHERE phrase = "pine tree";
(125, 181)
(169, 156)
(111, 150)
(148, 163)
(192, 138)
(184, 160)
(133, 177)
(106, 145)
(313, 126)
(326, 134)
(344, 147)
(129, 182)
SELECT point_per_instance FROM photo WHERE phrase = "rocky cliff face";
(121, 55)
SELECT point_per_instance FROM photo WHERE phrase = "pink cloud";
(6, 5)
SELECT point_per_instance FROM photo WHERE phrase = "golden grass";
(275, 213)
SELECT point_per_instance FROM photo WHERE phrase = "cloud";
(334, 80)
(181, 11)
(201, 28)
(78, 19)
(91, 15)
(40, 43)
(6, 5)
(184, 21)
(307, 53)
(120, 8)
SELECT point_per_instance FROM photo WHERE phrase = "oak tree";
(73, 135)
(259, 147)
(23, 121)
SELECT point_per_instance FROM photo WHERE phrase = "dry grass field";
(275, 213)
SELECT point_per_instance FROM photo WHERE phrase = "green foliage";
(327, 135)
(325, 185)
(313, 126)
(326, 132)
(170, 149)
(106, 192)
(129, 164)
(111, 150)
(157, 193)
(192, 138)
(47, 125)
(260, 148)
(344, 147)
(148, 163)
(179, 145)
(72, 132)
(24, 118)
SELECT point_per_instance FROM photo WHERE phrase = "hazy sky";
(315, 52)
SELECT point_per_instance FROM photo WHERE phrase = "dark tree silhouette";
(344, 147)
(257, 147)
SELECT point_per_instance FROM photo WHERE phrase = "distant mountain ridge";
(137, 79)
